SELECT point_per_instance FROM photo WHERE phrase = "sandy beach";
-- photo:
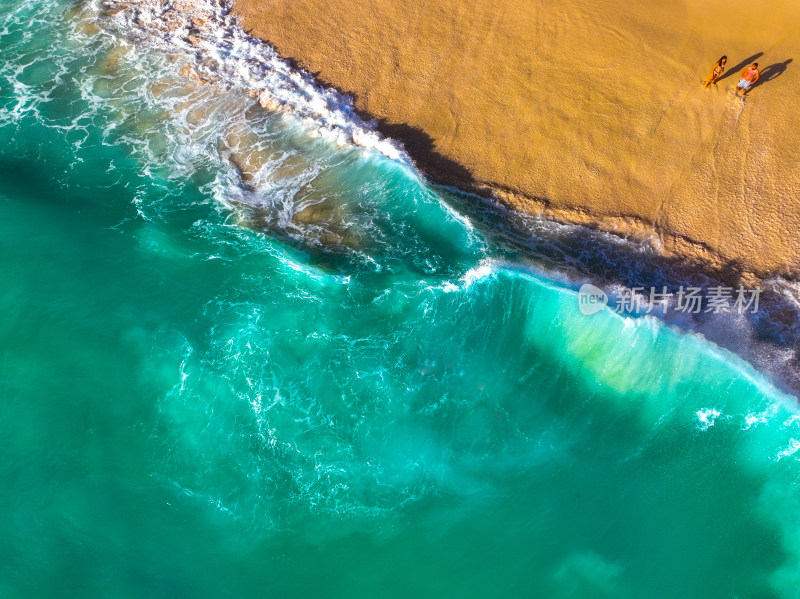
(588, 111)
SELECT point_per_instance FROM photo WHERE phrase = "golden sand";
(588, 111)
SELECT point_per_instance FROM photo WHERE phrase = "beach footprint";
(736, 104)
(736, 98)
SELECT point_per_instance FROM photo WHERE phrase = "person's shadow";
(771, 72)
(735, 70)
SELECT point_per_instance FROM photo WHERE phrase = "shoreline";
(767, 340)
(680, 269)
(646, 158)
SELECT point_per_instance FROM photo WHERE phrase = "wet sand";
(590, 111)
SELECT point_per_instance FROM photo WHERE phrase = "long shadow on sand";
(735, 70)
(771, 72)
(420, 146)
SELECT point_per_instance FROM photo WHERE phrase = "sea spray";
(206, 32)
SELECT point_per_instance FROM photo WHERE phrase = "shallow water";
(239, 359)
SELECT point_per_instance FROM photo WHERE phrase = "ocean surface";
(253, 353)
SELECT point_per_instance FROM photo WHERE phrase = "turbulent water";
(250, 352)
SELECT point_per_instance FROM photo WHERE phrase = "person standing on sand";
(717, 71)
(749, 76)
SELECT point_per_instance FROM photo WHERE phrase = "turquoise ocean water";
(239, 360)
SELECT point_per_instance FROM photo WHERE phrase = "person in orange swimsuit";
(717, 71)
(749, 76)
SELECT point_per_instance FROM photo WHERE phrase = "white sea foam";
(758, 418)
(789, 450)
(793, 420)
(219, 48)
(707, 417)
(485, 268)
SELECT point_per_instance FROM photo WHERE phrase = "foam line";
(207, 32)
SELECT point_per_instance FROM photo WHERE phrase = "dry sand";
(588, 111)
